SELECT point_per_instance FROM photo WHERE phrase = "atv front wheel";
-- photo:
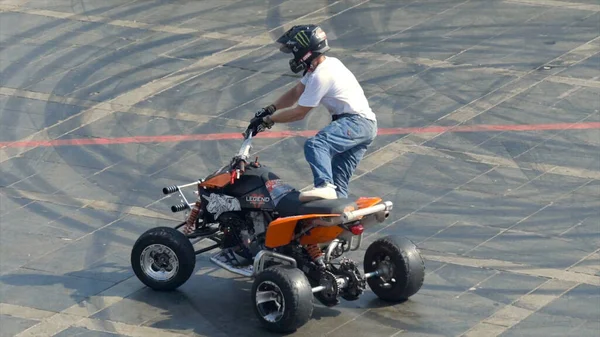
(282, 298)
(400, 267)
(163, 258)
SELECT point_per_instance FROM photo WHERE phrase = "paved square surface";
(489, 133)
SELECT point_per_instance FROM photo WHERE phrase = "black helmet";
(306, 42)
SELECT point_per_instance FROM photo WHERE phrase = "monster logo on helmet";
(306, 43)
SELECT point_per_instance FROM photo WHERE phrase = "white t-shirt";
(334, 86)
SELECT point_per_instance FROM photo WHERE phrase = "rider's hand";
(261, 121)
(264, 112)
(260, 124)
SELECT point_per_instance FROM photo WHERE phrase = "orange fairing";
(364, 202)
(281, 231)
(219, 180)
(321, 235)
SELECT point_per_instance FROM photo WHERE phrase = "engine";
(244, 232)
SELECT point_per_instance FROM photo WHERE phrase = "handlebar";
(246, 146)
(240, 160)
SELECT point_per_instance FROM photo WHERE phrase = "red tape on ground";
(281, 134)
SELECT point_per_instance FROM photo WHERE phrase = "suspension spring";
(192, 218)
(315, 252)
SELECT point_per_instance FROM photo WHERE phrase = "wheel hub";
(385, 271)
(159, 262)
(355, 283)
(269, 301)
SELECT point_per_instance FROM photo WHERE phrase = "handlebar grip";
(242, 166)
(179, 208)
(170, 189)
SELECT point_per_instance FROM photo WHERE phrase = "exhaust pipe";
(384, 208)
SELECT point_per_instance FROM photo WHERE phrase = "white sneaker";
(325, 191)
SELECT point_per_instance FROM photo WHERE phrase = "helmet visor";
(285, 48)
(284, 41)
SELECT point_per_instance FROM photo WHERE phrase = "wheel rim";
(269, 301)
(159, 262)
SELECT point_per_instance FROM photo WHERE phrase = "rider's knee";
(313, 143)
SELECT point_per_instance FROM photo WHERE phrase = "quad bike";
(292, 250)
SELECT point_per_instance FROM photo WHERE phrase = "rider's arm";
(290, 115)
(290, 97)
(310, 96)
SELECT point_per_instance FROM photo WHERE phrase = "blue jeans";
(334, 153)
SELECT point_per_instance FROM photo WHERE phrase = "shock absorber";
(192, 218)
(316, 254)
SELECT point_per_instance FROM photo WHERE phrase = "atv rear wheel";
(282, 298)
(400, 267)
(163, 258)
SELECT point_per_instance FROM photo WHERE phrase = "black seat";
(291, 205)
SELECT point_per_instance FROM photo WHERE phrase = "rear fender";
(280, 232)
(326, 227)
(364, 202)
(321, 235)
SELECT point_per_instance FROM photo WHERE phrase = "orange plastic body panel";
(321, 235)
(280, 231)
(364, 202)
(218, 180)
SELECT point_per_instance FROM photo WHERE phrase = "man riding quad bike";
(334, 153)
(290, 243)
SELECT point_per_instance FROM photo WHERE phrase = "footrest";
(230, 262)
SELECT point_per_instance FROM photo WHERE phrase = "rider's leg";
(338, 137)
(318, 152)
(343, 167)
